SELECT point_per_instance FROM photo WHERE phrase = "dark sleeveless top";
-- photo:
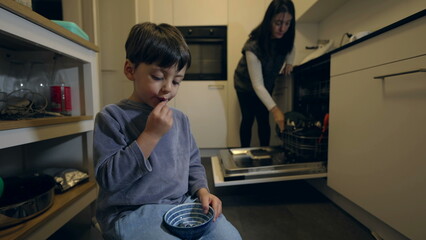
(271, 65)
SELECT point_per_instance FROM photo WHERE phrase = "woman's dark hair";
(160, 44)
(262, 33)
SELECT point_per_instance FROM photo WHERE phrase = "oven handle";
(216, 86)
(204, 40)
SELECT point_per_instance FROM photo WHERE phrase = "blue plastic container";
(74, 28)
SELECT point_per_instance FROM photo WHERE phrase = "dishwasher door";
(263, 164)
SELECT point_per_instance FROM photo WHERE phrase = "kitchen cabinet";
(315, 11)
(32, 145)
(377, 133)
(190, 12)
(162, 11)
(196, 13)
(240, 24)
(205, 104)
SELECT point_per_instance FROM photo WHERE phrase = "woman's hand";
(278, 117)
(207, 199)
(287, 69)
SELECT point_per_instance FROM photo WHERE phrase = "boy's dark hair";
(160, 44)
(262, 33)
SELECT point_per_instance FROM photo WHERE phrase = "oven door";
(208, 52)
(208, 59)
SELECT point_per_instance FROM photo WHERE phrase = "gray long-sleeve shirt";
(128, 179)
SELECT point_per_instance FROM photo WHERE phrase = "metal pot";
(24, 198)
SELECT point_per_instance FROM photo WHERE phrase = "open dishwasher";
(303, 152)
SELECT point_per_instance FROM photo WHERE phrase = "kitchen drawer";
(400, 43)
(377, 136)
(199, 13)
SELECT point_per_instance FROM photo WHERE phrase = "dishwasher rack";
(305, 147)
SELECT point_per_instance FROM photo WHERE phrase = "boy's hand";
(160, 120)
(206, 199)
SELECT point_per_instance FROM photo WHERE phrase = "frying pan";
(25, 197)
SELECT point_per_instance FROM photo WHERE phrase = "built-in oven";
(302, 153)
(208, 52)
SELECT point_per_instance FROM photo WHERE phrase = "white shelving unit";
(31, 145)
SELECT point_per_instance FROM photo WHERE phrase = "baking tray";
(24, 198)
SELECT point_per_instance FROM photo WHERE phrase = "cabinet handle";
(401, 73)
(216, 86)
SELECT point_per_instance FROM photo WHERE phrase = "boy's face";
(153, 84)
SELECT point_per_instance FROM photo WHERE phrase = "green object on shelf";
(74, 28)
(1, 186)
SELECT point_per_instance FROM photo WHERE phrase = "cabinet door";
(201, 12)
(377, 136)
(240, 25)
(205, 104)
(162, 11)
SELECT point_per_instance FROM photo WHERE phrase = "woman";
(270, 45)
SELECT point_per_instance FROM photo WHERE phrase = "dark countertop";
(326, 56)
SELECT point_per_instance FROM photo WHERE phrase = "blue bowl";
(188, 221)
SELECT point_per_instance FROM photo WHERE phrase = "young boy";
(147, 159)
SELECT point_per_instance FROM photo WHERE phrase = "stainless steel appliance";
(25, 198)
(265, 162)
(208, 50)
(303, 152)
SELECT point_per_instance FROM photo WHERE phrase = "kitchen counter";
(399, 23)
(376, 156)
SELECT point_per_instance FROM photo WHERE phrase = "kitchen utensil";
(188, 220)
(24, 198)
(358, 35)
(1, 186)
(324, 127)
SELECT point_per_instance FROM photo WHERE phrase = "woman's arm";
(288, 64)
(290, 56)
(255, 71)
(256, 77)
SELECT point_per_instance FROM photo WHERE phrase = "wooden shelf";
(37, 122)
(30, 15)
(73, 200)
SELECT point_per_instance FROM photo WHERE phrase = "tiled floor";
(291, 210)
(285, 210)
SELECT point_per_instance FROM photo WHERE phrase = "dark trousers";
(252, 108)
